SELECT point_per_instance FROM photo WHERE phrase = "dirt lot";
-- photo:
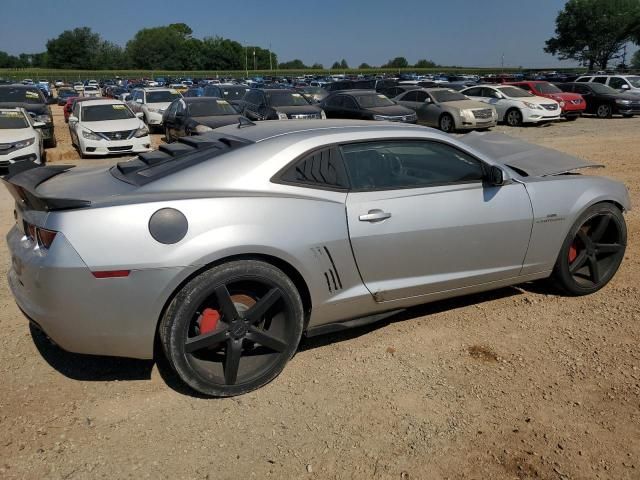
(518, 383)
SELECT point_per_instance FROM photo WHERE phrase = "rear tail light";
(42, 236)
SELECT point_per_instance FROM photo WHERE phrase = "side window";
(524, 86)
(408, 164)
(600, 80)
(473, 92)
(76, 110)
(584, 79)
(581, 89)
(489, 93)
(171, 111)
(410, 96)
(320, 169)
(617, 82)
(421, 96)
(337, 101)
(181, 108)
(350, 103)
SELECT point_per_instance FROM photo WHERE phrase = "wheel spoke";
(257, 312)
(579, 262)
(266, 340)
(601, 228)
(232, 361)
(608, 247)
(229, 311)
(584, 238)
(594, 270)
(203, 341)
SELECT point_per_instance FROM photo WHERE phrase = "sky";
(449, 32)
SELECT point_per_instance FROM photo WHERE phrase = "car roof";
(265, 130)
(95, 101)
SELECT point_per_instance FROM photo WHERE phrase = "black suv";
(32, 100)
(604, 101)
(278, 104)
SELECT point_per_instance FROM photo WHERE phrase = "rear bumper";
(83, 314)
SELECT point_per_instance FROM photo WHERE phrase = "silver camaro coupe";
(229, 246)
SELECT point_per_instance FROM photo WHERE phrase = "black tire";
(572, 118)
(255, 302)
(51, 142)
(513, 117)
(167, 136)
(604, 111)
(446, 123)
(628, 115)
(592, 251)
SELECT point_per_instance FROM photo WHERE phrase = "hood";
(393, 110)
(628, 96)
(113, 125)
(466, 104)
(525, 158)
(160, 105)
(564, 96)
(13, 135)
(535, 100)
(299, 110)
(216, 120)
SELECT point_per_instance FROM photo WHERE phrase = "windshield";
(162, 96)
(374, 100)
(634, 81)
(65, 92)
(11, 120)
(207, 108)
(99, 113)
(21, 95)
(602, 89)
(547, 88)
(287, 99)
(442, 96)
(314, 90)
(515, 92)
(90, 88)
(234, 93)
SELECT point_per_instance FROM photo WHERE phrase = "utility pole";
(270, 59)
(502, 63)
(246, 61)
(254, 59)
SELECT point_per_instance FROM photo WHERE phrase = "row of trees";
(595, 32)
(170, 47)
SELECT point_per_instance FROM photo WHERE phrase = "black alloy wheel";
(593, 250)
(514, 117)
(604, 111)
(447, 123)
(233, 328)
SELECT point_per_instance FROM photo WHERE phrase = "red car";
(68, 107)
(572, 104)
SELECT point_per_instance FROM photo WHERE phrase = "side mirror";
(428, 100)
(39, 124)
(140, 114)
(496, 176)
(73, 119)
(625, 86)
(139, 100)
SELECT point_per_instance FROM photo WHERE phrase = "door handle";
(374, 216)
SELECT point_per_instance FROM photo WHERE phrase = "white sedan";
(103, 127)
(514, 105)
(20, 137)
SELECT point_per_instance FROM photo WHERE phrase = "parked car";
(103, 127)
(32, 100)
(365, 105)
(78, 87)
(20, 138)
(64, 94)
(514, 105)
(278, 104)
(152, 102)
(195, 115)
(394, 91)
(604, 101)
(350, 85)
(572, 104)
(92, 91)
(59, 83)
(313, 94)
(224, 248)
(448, 110)
(621, 83)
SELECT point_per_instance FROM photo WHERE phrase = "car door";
(588, 96)
(429, 111)
(495, 98)
(169, 118)
(333, 106)
(179, 125)
(351, 109)
(421, 219)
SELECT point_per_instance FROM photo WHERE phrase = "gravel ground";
(518, 383)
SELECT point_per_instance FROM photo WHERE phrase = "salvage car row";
(117, 127)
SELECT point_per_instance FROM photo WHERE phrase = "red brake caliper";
(209, 320)
(573, 252)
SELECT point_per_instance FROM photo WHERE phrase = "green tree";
(74, 49)
(317, 66)
(594, 31)
(398, 62)
(109, 56)
(296, 64)
(335, 66)
(163, 48)
(424, 63)
(343, 64)
(364, 66)
(222, 54)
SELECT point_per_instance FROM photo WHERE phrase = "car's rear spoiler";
(23, 180)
